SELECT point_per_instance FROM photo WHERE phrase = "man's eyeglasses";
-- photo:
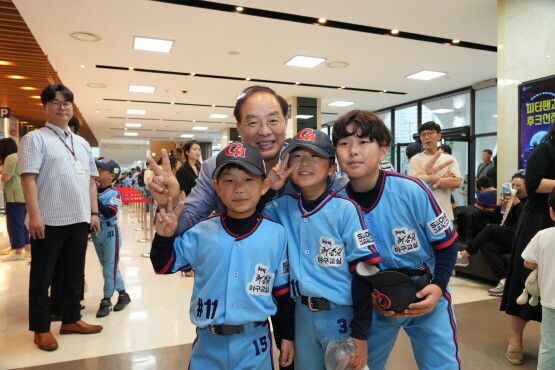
(271, 122)
(427, 133)
(58, 104)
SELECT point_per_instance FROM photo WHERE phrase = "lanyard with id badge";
(77, 164)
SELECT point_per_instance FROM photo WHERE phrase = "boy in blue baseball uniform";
(241, 269)
(327, 239)
(412, 233)
(107, 241)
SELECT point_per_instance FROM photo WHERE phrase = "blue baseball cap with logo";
(242, 155)
(315, 140)
(109, 165)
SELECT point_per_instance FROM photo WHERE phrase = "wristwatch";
(95, 213)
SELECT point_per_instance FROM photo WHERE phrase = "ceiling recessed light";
(153, 154)
(322, 20)
(130, 134)
(248, 78)
(304, 116)
(5, 63)
(495, 116)
(28, 88)
(97, 111)
(82, 66)
(394, 32)
(200, 128)
(133, 124)
(85, 36)
(192, 74)
(97, 85)
(150, 44)
(337, 64)
(303, 61)
(136, 111)
(187, 135)
(442, 110)
(16, 77)
(297, 83)
(425, 75)
(142, 89)
(455, 41)
(35, 97)
(341, 103)
(239, 8)
(217, 115)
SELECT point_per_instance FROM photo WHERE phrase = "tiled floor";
(154, 331)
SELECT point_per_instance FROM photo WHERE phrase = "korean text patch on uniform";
(439, 224)
(363, 238)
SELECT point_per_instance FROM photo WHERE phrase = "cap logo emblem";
(236, 150)
(307, 134)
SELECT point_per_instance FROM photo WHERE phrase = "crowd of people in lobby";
(343, 249)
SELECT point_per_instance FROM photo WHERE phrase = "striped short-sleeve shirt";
(64, 165)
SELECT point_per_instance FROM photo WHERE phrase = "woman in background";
(187, 175)
(15, 202)
(539, 180)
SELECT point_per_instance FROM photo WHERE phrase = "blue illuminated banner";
(536, 106)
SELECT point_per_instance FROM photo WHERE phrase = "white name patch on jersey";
(439, 224)
(115, 201)
(363, 238)
(331, 254)
(405, 240)
(284, 266)
(261, 280)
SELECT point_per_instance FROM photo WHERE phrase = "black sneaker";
(123, 300)
(105, 308)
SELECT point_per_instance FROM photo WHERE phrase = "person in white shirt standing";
(57, 174)
(449, 177)
(540, 254)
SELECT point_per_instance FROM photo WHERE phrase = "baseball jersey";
(235, 277)
(541, 251)
(443, 195)
(325, 245)
(111, 199)
(406, 239)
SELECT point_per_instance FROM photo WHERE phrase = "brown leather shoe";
(80, 327)
(46, 341)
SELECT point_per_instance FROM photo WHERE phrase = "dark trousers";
(493, 241)
(67, 244)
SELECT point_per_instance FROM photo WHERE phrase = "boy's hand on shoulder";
(166, 220)
(360, 358)
(287, 353)
(279, 174)
(431, 294)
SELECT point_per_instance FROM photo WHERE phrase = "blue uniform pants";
(107, 244)
(314, 330)
(433, 337)
(250, 350)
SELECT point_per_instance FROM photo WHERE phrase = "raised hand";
(163, 185)
(279, 173)
(166, 220)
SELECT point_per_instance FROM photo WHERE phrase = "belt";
(317, 304)
(109, 223)
(231, 329)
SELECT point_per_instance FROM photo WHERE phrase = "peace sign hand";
(279, 173)
(163, 185)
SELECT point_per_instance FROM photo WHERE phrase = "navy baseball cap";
(242, 155)
(109, 165)
(413, 148)
(314, 140)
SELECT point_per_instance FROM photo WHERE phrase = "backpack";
(141, 179)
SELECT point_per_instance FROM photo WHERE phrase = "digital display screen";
(536, 105)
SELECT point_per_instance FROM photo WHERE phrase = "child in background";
(540, 254)
(107, 241)
(241, 269)
(327, 239)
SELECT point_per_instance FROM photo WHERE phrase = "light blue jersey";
(407, 225)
